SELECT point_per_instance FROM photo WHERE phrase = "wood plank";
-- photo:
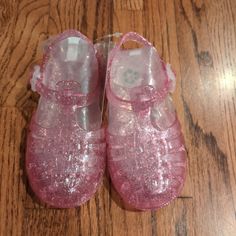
(7, 24)
(128, 4)
(175, 219)
(204, 108)
(125, 221)
(27, 33)
(42, 222)
(223, 29)
(92, 218)
(91, 18)
(161, 31)
(12, 178)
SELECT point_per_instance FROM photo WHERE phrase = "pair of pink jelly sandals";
(67, 147)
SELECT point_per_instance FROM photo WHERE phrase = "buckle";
(35, 76)
(171, 76)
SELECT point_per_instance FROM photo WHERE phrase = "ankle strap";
(148, 91)
(63, 97)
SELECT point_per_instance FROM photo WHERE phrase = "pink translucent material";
(65, 157)
(146, 154)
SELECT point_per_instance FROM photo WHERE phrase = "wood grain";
(205, 114)
(28, 31)
(199, 39)
(11, 175)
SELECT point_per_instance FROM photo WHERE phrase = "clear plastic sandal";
(65, 157)
(146, 154)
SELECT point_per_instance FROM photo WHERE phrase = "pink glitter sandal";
(65, 157)
(146, 154)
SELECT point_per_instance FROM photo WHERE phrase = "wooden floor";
(198, 37)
